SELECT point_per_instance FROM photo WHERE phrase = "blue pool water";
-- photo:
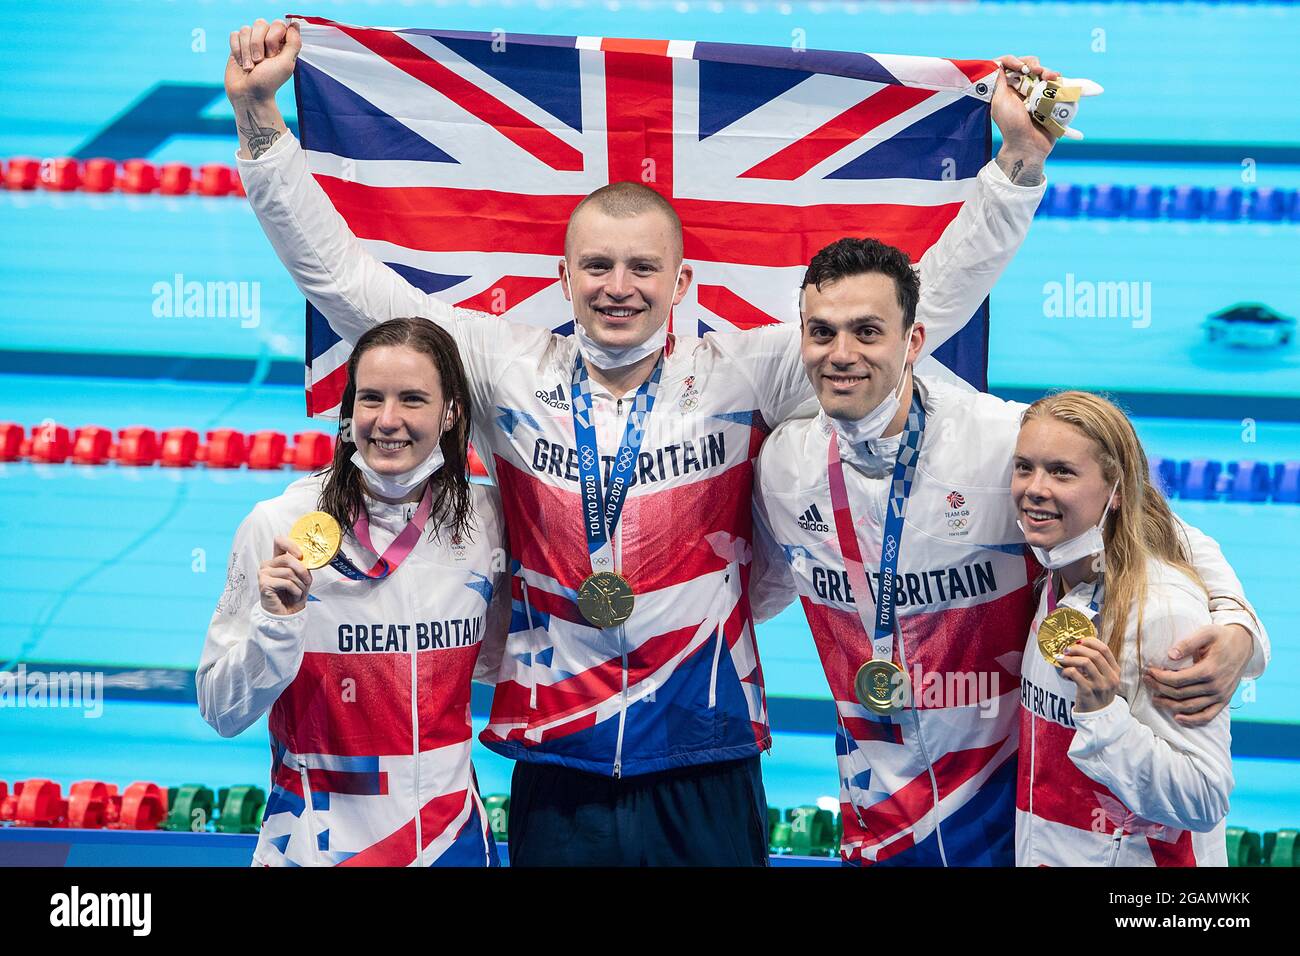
(1158, 62)
(121, 567)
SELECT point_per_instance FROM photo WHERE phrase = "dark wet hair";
(851, 257)
(343, 494)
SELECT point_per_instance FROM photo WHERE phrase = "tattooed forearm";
(1020, 172)
(261, 138)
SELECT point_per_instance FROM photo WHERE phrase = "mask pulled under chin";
(872, 425)
(607, 357)
(1080, 546)
(1067, 552)
(398, 486)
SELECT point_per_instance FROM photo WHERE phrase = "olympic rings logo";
(891, 548)
(958, 522)
(625, 459)
(588, 458)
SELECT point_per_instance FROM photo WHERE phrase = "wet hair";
(343, 494)
(852, 257)
(624, 200)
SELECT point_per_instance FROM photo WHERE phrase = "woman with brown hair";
(1106, 778)
(355, 609)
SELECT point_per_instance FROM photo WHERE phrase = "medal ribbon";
(1094, 604)
(600, 514)
(880, 626)
(395, 553)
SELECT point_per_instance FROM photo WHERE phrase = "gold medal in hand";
(319, 536)
(1060, 629)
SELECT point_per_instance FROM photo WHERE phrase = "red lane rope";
(134, 176)
(139, 446)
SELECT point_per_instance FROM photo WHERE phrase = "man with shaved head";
(630, 692)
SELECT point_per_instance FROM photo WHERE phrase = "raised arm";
(959, 271)
(326, 260)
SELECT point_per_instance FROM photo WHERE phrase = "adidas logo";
(811, 520)
(556, 398)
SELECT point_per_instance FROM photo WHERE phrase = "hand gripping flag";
(457, 158)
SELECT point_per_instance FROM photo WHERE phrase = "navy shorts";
(706, 815)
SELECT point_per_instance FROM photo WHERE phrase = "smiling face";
(853, 345)
(1057, 482)
(400, 412)
(622, 274)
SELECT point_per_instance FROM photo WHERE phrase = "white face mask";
(607, 357)
(873, 424)
(1080, 546)
(399, 486)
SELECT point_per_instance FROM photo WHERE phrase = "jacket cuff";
(280, 627)
(1097, 729)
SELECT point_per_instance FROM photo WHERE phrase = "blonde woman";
(1106, 778)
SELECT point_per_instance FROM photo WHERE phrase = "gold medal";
(1060, 629)
(875, 686)
(319, 537)
(606, 599)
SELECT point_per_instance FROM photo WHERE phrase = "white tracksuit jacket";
(367, 687)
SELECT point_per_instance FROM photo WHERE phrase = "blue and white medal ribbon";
(605, 598)
(878, 681)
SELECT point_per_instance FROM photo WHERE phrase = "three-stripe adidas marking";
(811, 520)
(556, 398)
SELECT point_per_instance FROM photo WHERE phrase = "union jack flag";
(457, 158)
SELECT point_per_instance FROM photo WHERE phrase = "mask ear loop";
(1098, 589)
(1109, 507)
(907, 347)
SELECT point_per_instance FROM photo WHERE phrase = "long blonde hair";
(1141, 527)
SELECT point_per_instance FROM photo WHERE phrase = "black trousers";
(707, 815)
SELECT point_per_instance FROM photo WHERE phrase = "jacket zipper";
(415, 751)
(622, 643)
(920, 740)
(853, 803)
(622, 713)
(1116, 839)
(717, 646)
(313, 840)
(528, 612)
(1033, 777)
